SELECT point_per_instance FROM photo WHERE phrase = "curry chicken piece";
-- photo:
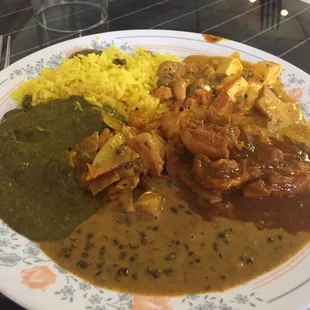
(185, 174)
(169, 124)
(266, 176)
(223, 174)
(200, 140)
(278, 185)
(207, 139)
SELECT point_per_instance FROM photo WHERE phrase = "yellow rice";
(99, 81)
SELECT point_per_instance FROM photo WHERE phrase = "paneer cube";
(236, 88)
(267, 72)
(229, 65)
(252, 93)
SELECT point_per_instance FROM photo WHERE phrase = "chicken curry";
(205, 196)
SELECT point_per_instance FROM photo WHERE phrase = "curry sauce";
(180, 252)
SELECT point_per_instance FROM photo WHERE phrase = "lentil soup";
(178, 253)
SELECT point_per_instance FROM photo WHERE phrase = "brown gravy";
(180, 252)
(292, 214)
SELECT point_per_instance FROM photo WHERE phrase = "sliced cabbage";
(109, 147)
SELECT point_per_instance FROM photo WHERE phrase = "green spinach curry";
(39, 194)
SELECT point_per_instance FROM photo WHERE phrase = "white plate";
(31, 279)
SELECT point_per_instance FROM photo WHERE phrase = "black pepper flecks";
(85, 254)
(143, 239)
(123, 272)
(101, 251)
(223, 235)
(215, 247)
(171, 256)
(88, 246)
(176, 242)
(132, 258)
(100, 265)
(250, 260)
(174, 210)
(156, 273)
(82, 264)
(98, 273)
(168, 272)
(123, 255)
(66, 252)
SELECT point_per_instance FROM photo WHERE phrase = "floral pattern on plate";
(43, 277)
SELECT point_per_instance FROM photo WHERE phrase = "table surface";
(280, 27)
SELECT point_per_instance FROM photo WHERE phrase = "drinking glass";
(70, 15)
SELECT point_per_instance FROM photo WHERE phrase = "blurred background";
(280, 27)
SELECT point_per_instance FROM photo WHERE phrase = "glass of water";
(70, 15)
